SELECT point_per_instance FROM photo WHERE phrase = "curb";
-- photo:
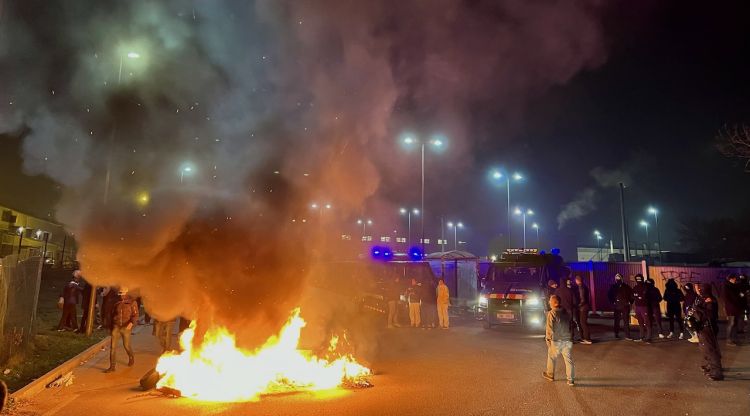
(40, 383)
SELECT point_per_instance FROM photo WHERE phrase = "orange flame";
(219, 371)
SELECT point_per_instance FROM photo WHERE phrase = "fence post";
(644, 268)
(592, 288)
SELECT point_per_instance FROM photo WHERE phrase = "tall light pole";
(408, 213)
(437, 144)
(497, 175)
(455, 227)
(108, 174)
(320, 208)
(644, 224)
(523, 213)
(186, 169)
(655, 213)
(364, 224)
(536, 227)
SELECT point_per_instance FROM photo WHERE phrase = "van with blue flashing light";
(513, 288)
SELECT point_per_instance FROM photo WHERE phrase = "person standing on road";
(745, 290)
(584, 306)
(559, 338)
(704, 311)
(642, 313)
(654, 304)
(125, 317)
(690, 297)
(393, 295)
(70, 294)
(414, 293)
(568, 300)
(620, 295)
(734, 308)
(443, 301)
(109, 298)
(429, 301)
(674, 297)
(549, 290)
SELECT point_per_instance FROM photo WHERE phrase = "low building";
(26, 235)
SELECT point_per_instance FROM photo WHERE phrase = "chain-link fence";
(19, 293)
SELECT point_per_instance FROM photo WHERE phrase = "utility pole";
(623, 219)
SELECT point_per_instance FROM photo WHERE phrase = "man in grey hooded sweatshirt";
(559, 339)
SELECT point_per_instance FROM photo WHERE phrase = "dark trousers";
(656, 318)
(675, 316)
(732, 327)
(576, 326)
(709, 347)
(644, 322)
(68, 319)
(622, 314)
(583, 321)
(117, 333)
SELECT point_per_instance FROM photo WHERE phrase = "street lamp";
(408, 213)
(364, 224)
(644, 224)
(655, 212)
(497, 175)
(20, 239)
(523, 213)
(598, 237)
(186, 169)
(455, 227)
(436, 143)
(536, 227)
(108, 174)
(320, 208)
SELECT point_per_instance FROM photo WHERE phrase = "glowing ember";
(219, 371)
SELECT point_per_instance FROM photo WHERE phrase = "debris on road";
(149, 380)
(64, 380)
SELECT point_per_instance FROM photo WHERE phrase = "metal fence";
(19, 294)
(600, 277)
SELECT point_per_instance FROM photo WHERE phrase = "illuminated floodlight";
(517, 176)
(644, 224)
(133, 55)
(535, 226)
(497, 175)
(652, 210)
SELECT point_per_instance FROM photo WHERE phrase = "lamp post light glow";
(364, 224)
(408, 213)
(435, 142)
(320, 208)
(655, 212)
(645, 224)
(523, 213)
(598, 238)
(535, 226)
(186, 169)
(455, 227)
(497, 175)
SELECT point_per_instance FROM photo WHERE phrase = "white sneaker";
(661, 336)
(694, 339)
(682, 336)
(671, 334)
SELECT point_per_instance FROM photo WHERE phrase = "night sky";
(670, 75)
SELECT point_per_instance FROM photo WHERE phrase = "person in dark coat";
(734, 308)
(690, 297)
(745, 290)
(654, 304)
(674, 297)
(569, 300)
(393, 296)
(620, 295)
(705, 311)
(429, 303)
(70, 294)
(86, 294)
(109, 298)
(584, 306)
(642, 312)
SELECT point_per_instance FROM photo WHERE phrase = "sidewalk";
(90, 378)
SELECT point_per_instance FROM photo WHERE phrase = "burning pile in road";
(217, 370)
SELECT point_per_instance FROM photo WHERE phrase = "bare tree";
(735, 142)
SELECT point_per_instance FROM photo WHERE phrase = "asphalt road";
(466, 370)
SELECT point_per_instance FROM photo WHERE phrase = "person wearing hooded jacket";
(584, 306)
(654, 304)
(620, 295)
(674, 297)
(705, 311)
(569, 300)
(690, 297)
(642, 312)
(733, 307)
(124, 318)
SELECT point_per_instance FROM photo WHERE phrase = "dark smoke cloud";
(238, 91)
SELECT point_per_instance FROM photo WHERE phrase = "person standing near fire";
(414, 294)
(443, 301)
(124, 318)
(69, 299)
(393, 297)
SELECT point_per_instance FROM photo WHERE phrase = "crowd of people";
(428, 303)
(569, 306)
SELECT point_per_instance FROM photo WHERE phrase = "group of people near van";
(428, 303)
